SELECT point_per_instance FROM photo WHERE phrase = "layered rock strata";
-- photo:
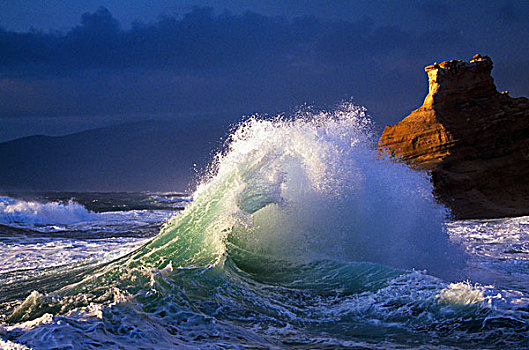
(473, 139)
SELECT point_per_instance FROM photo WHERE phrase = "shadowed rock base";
(473, 139)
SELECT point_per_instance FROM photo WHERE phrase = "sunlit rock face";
(473, 139)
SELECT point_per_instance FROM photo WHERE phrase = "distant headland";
(473, 139)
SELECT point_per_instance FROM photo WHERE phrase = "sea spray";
(308, 188)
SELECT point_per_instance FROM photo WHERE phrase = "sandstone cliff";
(473, 139)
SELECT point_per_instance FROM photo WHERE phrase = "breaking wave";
(307, 189)
(20, 212)
(300, 235)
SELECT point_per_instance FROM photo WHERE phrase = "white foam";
(20, 212)
(41, 253)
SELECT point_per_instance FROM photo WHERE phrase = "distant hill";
(141, 156)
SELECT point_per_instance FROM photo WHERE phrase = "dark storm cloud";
(208, 62)
(200, 41)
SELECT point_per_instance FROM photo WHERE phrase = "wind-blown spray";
(309, 188)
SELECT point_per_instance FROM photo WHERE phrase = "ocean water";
(299, 235)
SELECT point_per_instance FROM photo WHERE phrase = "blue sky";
(68, 66)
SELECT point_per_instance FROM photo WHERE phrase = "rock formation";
(473, 139)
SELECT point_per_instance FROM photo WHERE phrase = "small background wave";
(43, 230)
